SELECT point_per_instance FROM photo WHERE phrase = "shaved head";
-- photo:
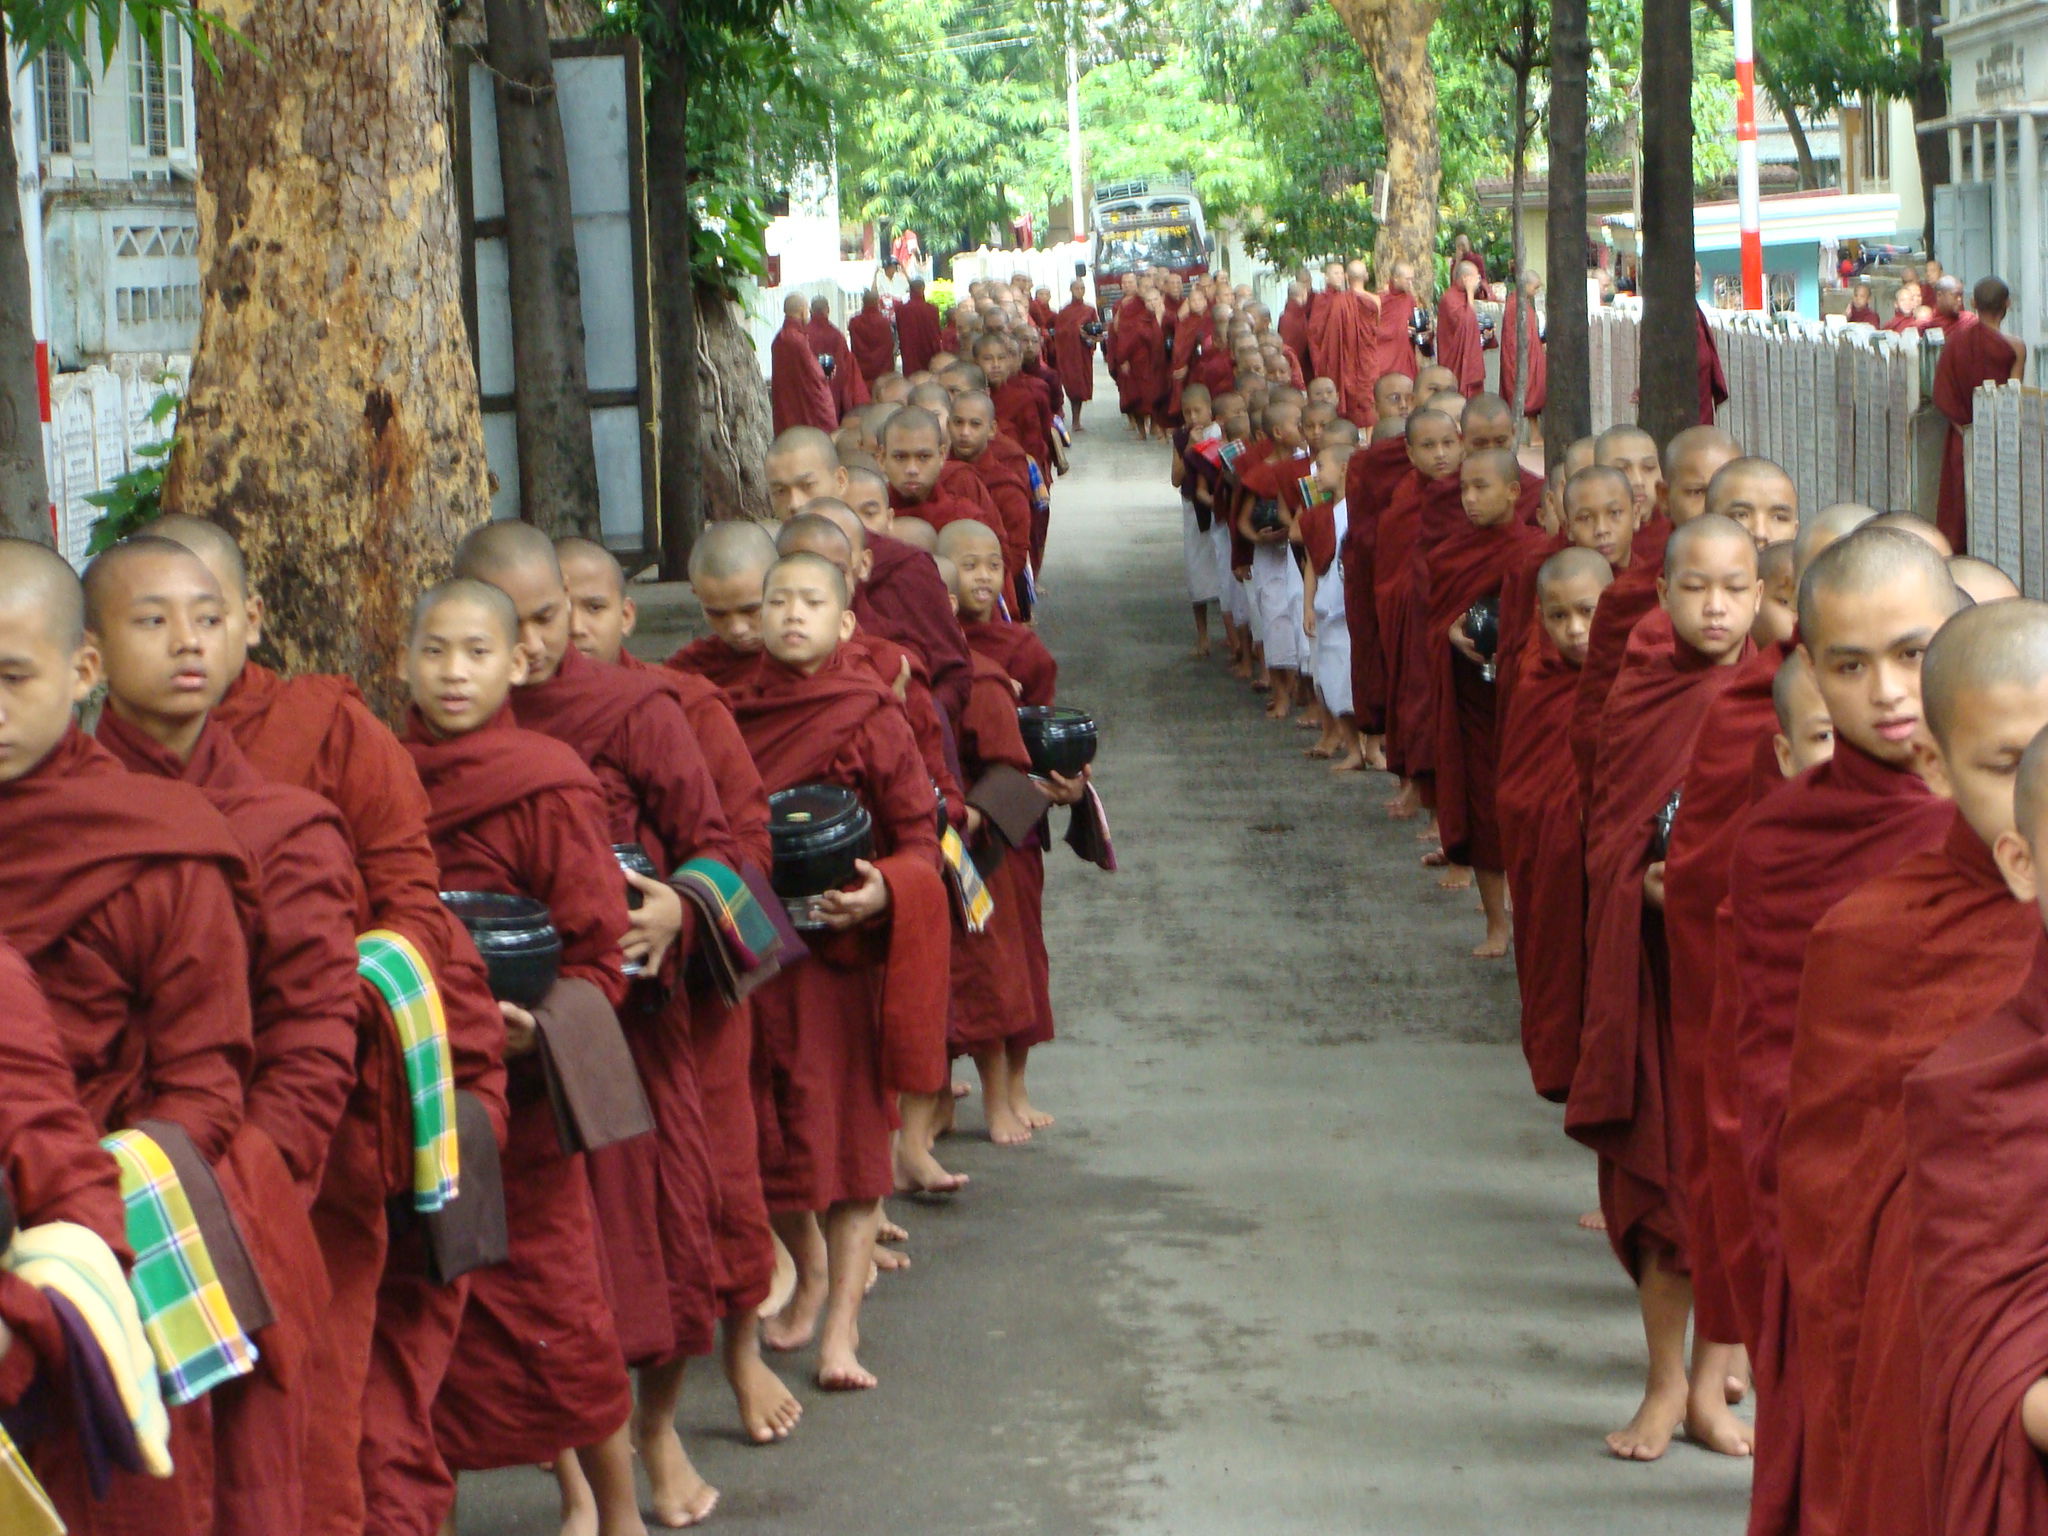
(804, 440)
(1570, 565)
(1489, 416)
(1918, 527)
(818, 534)
(813, 565)
(36, 579)
(1979, 650)
(497, 548)
(1794, 677)
(2030, 793)
(211, 543)
(466, 589)
(1687, 537)
(592, 556)
(842, 517)
(1867, 561)
(966, 534)
(916, 532)
(725, 551)
(913, 420)
(1981, 581)
(110, 565)
(1817, 532)
(1702, 439)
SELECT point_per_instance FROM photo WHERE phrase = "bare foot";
(1456, 877)
(1199, 652)
(1320, 749)
(1436, 858)
(796, 1324)
(840, 1371)
(1352, 762)
(1005, 1129)
(1020, 1106)
(918, 1172)
(1492, 947)
(1307, 722)
(1648, 1435)
(768, 1409)
(1593, 1221)
(680, 1497)
(960, 1089)
(1735, 1386)
(890, 1232)
(889, 1261)
(1710, 1425)
(1406, 805)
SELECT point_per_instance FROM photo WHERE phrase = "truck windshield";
(1158, 245)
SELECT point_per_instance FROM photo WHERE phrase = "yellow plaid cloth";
(191, 1329)
(403, 978)
(976, 905)
(25, 1510)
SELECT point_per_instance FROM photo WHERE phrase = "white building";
(1989, 220)
(117, 167)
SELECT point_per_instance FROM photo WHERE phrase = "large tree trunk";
(1670, 373)
(332, 423)
(24, 488)
(557, 460)
(1525, 311)
(1568, 408)
(1930, 101)
(736, 425)
(1394, 37)
(675, 313)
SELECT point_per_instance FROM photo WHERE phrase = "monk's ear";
(255, 606)
(629, 615)
(2016, 862)
(864, 567)
(522, 666)
(1781, 744)
(1663, 593)
(847, 624)
(1932, 767)
(86, 671)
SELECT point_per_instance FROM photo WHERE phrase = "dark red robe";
(904, 600)
(654, 1201)
(1815, 839)
(1370, 479)
(1138, 361)
(1622, 1094)
(798, 392)
(917, 333)
(992, 996)
(1007, 483)
(1531, 345)
(1343, 330)
(1863, 314)
(1393, 347)
(1024, 411)
(537, 1367)
(1976, 1130)
(1628, 598)
(1293, 328)
(1071, 351)
(1713, 382)
(836, 1033)
(1393, 579)
(1955, 945)
(849, 387)
(873, 340)
(1458, 344)
(1971, 355)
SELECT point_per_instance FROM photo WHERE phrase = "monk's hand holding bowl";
(1462, 643)
(1064, 791)
(521, 1032)
(840, 910)
(655, 924)
(1653, 886)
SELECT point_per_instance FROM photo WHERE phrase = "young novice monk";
(1975, 1115)
(155, 614)
(1955, 945)
(1469, 567)
(1194, 478)
(828, 1029)
(1621, 1095)
(1324, 529)
(537, 1364)
(1536, 800)
(1434, 452)
(1275, 579)
(1868, 606)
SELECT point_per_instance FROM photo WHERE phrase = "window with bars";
(63, 104)
(156, 91)
(1875, 149)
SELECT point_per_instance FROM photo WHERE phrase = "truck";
(1155, 221)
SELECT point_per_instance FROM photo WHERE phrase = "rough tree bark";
(1394, 37)
(24, 487)
(557, 459)
(1930, 101)
(1568, 408)
(332, 423)
(1522, 61)
(735, 426)
(675, 312)
(1670, 373)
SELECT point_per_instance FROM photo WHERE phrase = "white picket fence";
(1840, 407)
(2007, 461)
(98, 418)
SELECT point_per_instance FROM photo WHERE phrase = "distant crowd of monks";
(312, 1208)
(1752, 792)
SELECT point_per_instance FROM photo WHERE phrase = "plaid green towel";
(185, 1314)
(976, 904)
(741, 928)
(25, 1510)
(401, 975)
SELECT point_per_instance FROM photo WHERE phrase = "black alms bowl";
(818, 832)
(1660, 827)
(521, 950)
(1060, 740)
(1266, 516)
(633, 860)
(1482, 626)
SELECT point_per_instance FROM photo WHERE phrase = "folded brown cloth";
(468, 1232)
(592, 1080)
(1088, 832)
(223, 1238)
(1012, 802)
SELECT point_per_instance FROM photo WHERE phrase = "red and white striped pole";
(1745, 157)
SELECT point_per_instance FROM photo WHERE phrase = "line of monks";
(1752, 793)
(452, 1228)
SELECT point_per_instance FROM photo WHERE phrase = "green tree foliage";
(78, 28)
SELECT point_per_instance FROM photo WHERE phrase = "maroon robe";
(849, 387)
(873, 340)
(1976, 1129)
(1815, 839)
(992, 993)
(1713, 382)
(1073, 354)
(1971, 355)
(798, 392)
(1393, 577)
(1138, 361)
(1004, 478)
(917, 333)
(1293, 328)
(1538, 390)
(1863, 314)
(904, 600)
(1393, 347)
(1342, 332)
(1024, 410)
(1628, 599)
(1370, 479)
(1458, 344)
(836, 1033)
(537, 1367)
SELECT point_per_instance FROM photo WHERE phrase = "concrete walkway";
(1300, 1255)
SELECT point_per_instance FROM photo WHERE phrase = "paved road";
(1300, 1254)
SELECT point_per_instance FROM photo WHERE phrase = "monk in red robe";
(1073, 349)
(1341, 336)
(1975, 354)
(1537, 802)
(872, 338)
(1458, 343)
(537, 1365)
(917, 329)
(1370, 479)
(154, 612)
(1393, 339)
(798, 391)
(389, 1327)
(130, 897)
(1868, 605)
(1620, 1100)
(1713, 382)
(1955, 944)
(831, 1030)
(1974, 1115)
(924, 481)
(1861, 311)
(1522, 338)
(658, 793)
(1137, 361)
(54, 1169)
(1293, 322)
(602, 615)
(975, 442)
(849, 386)
(1467, 568)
